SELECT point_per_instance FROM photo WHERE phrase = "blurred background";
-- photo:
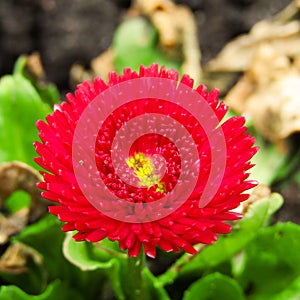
(75, 31)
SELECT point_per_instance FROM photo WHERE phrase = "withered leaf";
(19, 176)
(14, 259)
(177, 31)
(281, 32)
(268, 94)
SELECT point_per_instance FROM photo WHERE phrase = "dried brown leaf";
(19, 176)
(104, 63)
(177, 31)
(10, 225)
(14, 260)
(281, 33)
(260, 192)
(79, 74)
(268, 94)
(34, 66)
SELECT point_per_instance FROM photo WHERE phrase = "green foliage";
(227, 246)
(214, 287)
(20, 107)
(87, 256)
(56, 290)
(46, 238)
(243, 233)
(273, 257)
(108, 260)
(262, 261)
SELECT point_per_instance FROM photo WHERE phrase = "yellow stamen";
(145, 171)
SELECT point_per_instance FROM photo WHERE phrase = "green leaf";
(214, 287)
(135, 43)
(48, 92)
(87, 257)
(20, 65)
(246, 230)
(227, 246)
(55, 290)
(156, 291)
(292, 292)
(17, 200)
(284, 240)
(20, 108)
(273, 257)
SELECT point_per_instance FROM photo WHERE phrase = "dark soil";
(62, 31)
(68, 31)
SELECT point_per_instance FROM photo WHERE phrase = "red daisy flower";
(153, 166)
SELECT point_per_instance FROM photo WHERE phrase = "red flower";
(184, 227)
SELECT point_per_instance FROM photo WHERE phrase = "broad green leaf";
(284, 240)
(214, 287)
(135, 43)
(292, 292)
(55, 290)
(85, 255)
(20, 108)
(48, 93)
(272, 262)
(227, 246)
(91, 256)
(246, 230)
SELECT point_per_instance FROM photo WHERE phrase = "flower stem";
(136, 283)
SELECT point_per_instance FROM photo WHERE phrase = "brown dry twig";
(34, 66)
(104, 63)
(19, 176)
(14, 260)
(258, 193)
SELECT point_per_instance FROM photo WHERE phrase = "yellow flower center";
(145, 171)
